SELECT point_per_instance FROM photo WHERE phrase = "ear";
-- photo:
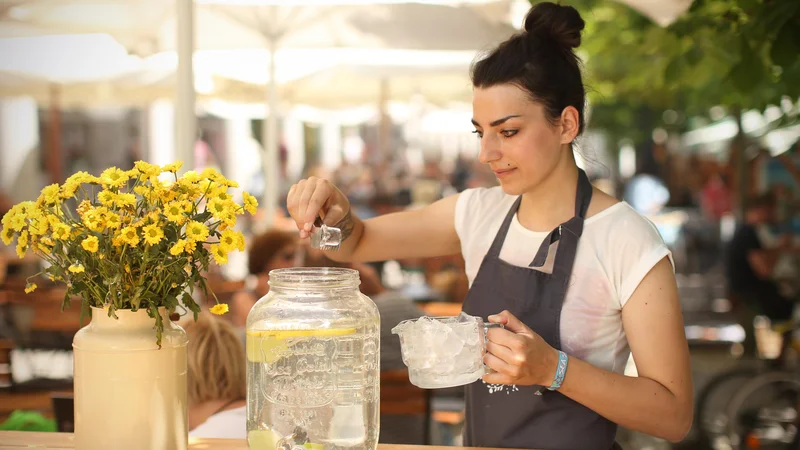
(570, 124)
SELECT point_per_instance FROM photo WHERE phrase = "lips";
(503, 172)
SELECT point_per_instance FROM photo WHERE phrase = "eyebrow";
(498, 121)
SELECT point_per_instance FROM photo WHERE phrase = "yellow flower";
(53, 220)
(152, 234)
(30, 287)
(191, 177)
(125, 199)
(8, 235)
(113, 177)
(81, 177)
(107, 198)
(38, 223)
(219, 254)
(94, 219)
(90, 244)
(230, 183)
(174, 167)
(22, 244)
(61, 231)
(190, 247)
(113, 221)
(146, 170)
(17, 221)
(77, 268)
(129, 236)
(211, 173)
(49, 195)
(218, 208)
(196, 231)
(231, 240)
(250, 203)
(85, 206)
(219, 309)
(177, 249)
(175, 212)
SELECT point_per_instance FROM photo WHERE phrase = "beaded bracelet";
(561, 371)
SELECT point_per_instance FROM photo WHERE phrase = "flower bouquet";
(132, 240)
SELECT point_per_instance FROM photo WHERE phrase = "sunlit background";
(693, 108)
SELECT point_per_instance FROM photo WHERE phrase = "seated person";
(216, 379)
(749, 270)
(274, 249)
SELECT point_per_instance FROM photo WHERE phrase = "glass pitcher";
(443, 352)
(313, 363)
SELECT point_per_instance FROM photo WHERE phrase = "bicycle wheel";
(712, 401)
(763, 413)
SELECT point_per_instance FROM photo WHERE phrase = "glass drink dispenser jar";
(313, 363)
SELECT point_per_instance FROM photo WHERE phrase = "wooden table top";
(12, 440)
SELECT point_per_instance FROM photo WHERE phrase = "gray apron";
(520, 418)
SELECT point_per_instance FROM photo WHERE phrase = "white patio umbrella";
(150, 26)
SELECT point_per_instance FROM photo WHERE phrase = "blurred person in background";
(580, 280)
(273, 249)
(749, 268)
(216, 379)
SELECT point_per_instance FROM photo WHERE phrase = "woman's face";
(517, 141)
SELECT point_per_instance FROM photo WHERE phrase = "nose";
(490, 149)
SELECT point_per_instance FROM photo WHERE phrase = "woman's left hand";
(517, 354)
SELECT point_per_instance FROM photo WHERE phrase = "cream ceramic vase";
(129, 394)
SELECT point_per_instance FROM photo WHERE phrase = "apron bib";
(532, 416)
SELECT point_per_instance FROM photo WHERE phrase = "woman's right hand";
(316, 196)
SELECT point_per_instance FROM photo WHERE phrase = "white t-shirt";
(617, 249)
(230, 424)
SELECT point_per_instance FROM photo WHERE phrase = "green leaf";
(786, 47)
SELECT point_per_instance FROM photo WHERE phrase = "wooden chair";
(401, 398)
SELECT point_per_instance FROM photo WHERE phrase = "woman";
(216, 380)
(273, 249)
(579, 279)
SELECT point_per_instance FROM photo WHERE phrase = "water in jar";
(313, 389)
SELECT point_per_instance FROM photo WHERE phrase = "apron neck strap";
(583, 197)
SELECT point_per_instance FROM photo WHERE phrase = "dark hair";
(540, 60)
(265, 246)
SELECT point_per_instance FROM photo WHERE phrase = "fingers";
(501, 352)
(305, 201)
(309, 186)
(503, 372)
(505, 338)
(511, 322)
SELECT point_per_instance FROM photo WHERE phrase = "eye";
(509, 133)
(478, 132)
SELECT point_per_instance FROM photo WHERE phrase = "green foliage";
(734, 53)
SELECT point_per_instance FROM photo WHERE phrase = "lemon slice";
(269, 345)
(262, 440)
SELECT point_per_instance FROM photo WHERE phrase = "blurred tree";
(739, 54)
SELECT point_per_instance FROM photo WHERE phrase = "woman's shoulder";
(618, 222)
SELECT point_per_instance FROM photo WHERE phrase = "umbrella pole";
(270, 140)
(185, 120)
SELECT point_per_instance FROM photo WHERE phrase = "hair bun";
(562, 24)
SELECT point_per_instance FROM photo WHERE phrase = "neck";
(200, 412)
(551, 202)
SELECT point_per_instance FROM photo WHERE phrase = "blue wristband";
(561, 371)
